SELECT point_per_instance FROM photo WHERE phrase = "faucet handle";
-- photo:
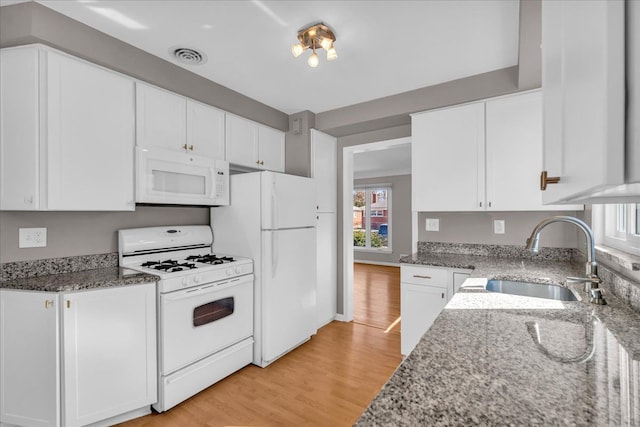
(590, 282)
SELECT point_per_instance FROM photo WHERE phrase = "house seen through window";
(371, 217)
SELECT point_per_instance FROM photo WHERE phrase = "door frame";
(347, 216)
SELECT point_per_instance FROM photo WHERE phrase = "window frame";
(612, 232)
(367, 217)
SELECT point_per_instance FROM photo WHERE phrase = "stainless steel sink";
(531, 290)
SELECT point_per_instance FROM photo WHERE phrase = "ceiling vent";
(189, 56)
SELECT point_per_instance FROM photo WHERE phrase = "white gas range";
(205, 307)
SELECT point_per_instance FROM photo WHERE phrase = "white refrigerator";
(271, 219)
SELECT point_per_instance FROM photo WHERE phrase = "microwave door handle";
(212, 171)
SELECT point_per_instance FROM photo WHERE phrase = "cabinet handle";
(261, 162)
(68, 304)
(544, 180)
(489, 204)
(421, 277)
(257, 162)
(191, 147)
(443, 295)
(480, 204)
(185, 147)
(48, 303)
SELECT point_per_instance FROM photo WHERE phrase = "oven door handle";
(189, 293)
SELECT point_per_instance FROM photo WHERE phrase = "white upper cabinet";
(583, 81)
(447, 159)
(271, 148)
(456, 149)
(170, 121)
(324, 169)
(205, 130)
(67, 133)
(252, 145)
(514, 154)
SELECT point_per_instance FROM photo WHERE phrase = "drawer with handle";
(420, 275)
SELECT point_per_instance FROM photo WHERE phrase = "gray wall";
(477, 227)
(298, 146)
(86, 233)
(400, 219)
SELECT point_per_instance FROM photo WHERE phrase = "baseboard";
(340, 318)
(387, 264)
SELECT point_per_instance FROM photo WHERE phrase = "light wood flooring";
(328, 381)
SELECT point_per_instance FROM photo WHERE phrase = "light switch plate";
(498, 226)
(433, 224)
(32, 237)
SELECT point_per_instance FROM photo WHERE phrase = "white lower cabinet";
(78, 358)
(424, 292)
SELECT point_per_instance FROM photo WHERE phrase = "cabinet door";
(327, 267)
(324, 169)
(447, 172)
(90, 136)
(583, 92)
(205, 130)
(19, 129)
(514, 154)
(419, 307)
(241, 141)
(109, 359)
(271, 151)
(29, 358)
(161, 118)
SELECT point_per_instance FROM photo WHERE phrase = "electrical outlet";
(433, 224)
(32, 237)
(498, 226)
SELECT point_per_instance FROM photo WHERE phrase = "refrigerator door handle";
(274, 206)
(274, 254)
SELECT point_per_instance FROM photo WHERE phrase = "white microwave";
(168, 177)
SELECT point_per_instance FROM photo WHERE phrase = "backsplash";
(43, 267)
(500, 251)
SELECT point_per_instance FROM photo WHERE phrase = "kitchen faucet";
(591, 279)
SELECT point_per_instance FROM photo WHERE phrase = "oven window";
(182, 183)
(213, 311)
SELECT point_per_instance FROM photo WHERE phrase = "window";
(372, 218)
(622, 226)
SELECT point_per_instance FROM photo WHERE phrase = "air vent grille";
(189, 56)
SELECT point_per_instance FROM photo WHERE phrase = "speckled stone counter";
(81, 280)
(494, 359)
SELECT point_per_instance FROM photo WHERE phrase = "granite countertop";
(81, 280)
(496, 359)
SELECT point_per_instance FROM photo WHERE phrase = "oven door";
(199, 321)
(166, 177)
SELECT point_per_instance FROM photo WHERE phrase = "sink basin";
(531, 290)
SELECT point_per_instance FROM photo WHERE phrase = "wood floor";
(328, 381)
(376, 296)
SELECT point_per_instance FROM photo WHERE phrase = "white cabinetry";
(67, 133)
(29, 358)
(424, 292)
(423, 295)
(252, 145)
(170, 121)
(447, 159)
(324, 172)
(107, 340)
(481, 156)
(583, 81)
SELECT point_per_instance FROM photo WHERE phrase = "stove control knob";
(196, 279)
(229, 272)
(185, 281)
(238, 271)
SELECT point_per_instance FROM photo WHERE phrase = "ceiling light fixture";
(314, 37)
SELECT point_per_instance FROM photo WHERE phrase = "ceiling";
(384, 47)
(390, 161)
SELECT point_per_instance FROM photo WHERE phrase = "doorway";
(349, 154)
